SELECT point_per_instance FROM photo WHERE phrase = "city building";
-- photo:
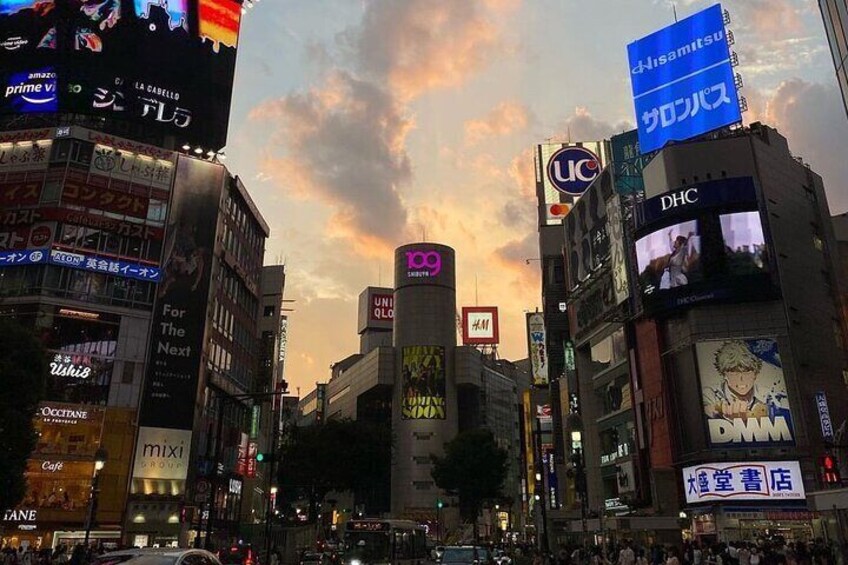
(138, 260)
(405, 333)
(745, 323)
(835, 16)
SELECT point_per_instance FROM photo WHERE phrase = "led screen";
(744, 243)
(670, 257)
(168, 64)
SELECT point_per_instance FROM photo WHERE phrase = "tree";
(474, 469)
(339, 455)
(23, 374)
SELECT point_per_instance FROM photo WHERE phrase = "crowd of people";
(62, 554)
(772, 552)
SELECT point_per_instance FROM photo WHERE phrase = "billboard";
(683, 81)
(752, 480)
(162, 454)
(376, 309)
(703, 242)
(745, 402)
(628, 161)
(480, 325)
(563, 172)
(424, 264)
(587, 241)
(179, 317)
(168, 65)
(537, 348)
(424, 383)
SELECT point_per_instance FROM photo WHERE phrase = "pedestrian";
(626, 556)
(673, 556)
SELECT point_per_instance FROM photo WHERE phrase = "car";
(466, 555)
(157, 556)
(239, 554)
(314, 558)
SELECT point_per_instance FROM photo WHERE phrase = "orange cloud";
(503, 119)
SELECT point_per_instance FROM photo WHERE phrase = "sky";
(361, 125)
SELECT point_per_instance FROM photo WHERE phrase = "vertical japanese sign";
(538, 348)
(424, 384)
(744, 393)
(752, 480)
(824, 417)
(618, 257)
(179, 319)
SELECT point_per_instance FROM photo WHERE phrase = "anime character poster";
(744, 393)
(423, 374)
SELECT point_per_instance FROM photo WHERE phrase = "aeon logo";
(572, 169)
(423, 264)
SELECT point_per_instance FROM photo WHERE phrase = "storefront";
(752, 524)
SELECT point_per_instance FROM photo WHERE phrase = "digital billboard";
(683, 81)
(166, 64)
(424, 383)
(747, 481)
(563, 172)
(744, 393)
(702, 242)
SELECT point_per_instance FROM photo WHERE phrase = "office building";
(835, 16)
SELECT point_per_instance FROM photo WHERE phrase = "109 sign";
(572, 169)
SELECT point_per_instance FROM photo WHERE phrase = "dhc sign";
(682, 78)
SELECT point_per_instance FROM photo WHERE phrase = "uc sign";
(572, 169)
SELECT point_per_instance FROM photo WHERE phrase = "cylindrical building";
(424, 412)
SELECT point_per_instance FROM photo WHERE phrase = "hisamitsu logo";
(423, 264)
(572, 169)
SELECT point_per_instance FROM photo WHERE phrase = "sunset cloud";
(504, 119)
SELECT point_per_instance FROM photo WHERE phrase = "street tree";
(473, 469)
(339, 455)
(23, 374)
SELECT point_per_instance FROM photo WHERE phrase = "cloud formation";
(504, 119)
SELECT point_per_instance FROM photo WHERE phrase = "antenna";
(568, 131)
(476, 298)
(379, 274)
(674, 9)
(423, 234)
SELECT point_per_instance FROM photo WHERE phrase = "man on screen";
(737, 396)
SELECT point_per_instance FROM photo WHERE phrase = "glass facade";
(835, 15)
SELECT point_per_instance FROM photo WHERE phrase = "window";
(128, 373)
(269, 311)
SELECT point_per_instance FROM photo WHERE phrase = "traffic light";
(440, 504)
(262, 457)
(830, 470)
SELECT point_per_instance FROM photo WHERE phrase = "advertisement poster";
(423, 383)
(480, 325)
(744, 393)
(538, 348)
(752, 480)
(179, 317)
(162, 454)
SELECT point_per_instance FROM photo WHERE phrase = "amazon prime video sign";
(683, 82)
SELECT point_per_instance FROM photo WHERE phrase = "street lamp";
(575, 424)
(100, 458)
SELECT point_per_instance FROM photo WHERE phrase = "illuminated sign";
(56, 415)
(235, 486)
(682, 79)
(382, 307)
(424, 383)
(25, 257)
(824, 416)
(32, 91)
(96, 264)
(480, 325)
(162, 453)
(20, 516)
(572, 169)
(79, 314)
(745, 400)
(52, 466)
(69, 366)
(133, 167)
(753, 480)
(423, 264)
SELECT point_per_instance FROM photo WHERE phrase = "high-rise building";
(835, 15)
(137, 258)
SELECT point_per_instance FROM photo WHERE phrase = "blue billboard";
(682, 79)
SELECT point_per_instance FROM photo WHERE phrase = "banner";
(423, 383)
(538, 349)
(752, 480)
(744, 393)
(179, 318)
